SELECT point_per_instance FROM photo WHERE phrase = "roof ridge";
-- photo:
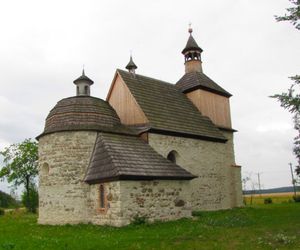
(151, 78)
(113, 161)
(91, 157)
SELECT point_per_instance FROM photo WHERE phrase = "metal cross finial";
(190, 28)
(83, 70)
(131, 54)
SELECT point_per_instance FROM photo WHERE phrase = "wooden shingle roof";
(123, 157)
(84, 113)
(191, 45)
(198, 80)
(168, 109)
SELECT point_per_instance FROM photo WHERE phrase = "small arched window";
(101, 197)
(172, 156)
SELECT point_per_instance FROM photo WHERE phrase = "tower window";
(172, 156)
(86, 89)
(77, 90)
(101, 197)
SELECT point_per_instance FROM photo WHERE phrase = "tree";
(293, 14)
(290, 100)
(20, 165)
(7, 201)
(32, 196)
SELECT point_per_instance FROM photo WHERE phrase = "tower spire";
(131, 65)
(192, 54)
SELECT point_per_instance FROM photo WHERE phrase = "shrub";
(296, 198)
(1, 211)
(268, 201)
(196, 213)
(139, 220)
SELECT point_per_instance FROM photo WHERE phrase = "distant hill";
(7, 201)
(272, 190)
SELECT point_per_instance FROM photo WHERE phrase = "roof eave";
(191, 48)
(105, 130)
(187, 135)
(226, 94)
(227, 129)
(139, 178)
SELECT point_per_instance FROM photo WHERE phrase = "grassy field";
(276, 198)
(272, 226)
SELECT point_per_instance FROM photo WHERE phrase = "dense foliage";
(7, 201)
(290, 100)
(20, 165)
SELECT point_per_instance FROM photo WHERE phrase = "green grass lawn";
(273, 226)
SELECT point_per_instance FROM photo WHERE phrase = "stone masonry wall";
(218, 185)
(63, 159)
(111, 215)
(155, 200)
(124, 200)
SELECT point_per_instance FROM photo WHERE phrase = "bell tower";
(192, 55)
(209, 97)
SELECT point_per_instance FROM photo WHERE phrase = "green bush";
(296, 198)
(196, 213)
(139, 220)
(268, 201)
(2, 211)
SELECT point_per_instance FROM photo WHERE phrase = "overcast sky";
(44, 44)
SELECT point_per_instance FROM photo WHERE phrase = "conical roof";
(83, 78)
(131, 64)
(191, 45)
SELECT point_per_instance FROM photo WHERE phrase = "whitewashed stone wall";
(63, 159)
(112, 214)
(218, 185)
(66, 198)
(156, 200)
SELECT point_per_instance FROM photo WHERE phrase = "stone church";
(152, 149)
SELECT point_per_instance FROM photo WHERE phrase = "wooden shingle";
(198, 80)
(123, 157)
(168, 109)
